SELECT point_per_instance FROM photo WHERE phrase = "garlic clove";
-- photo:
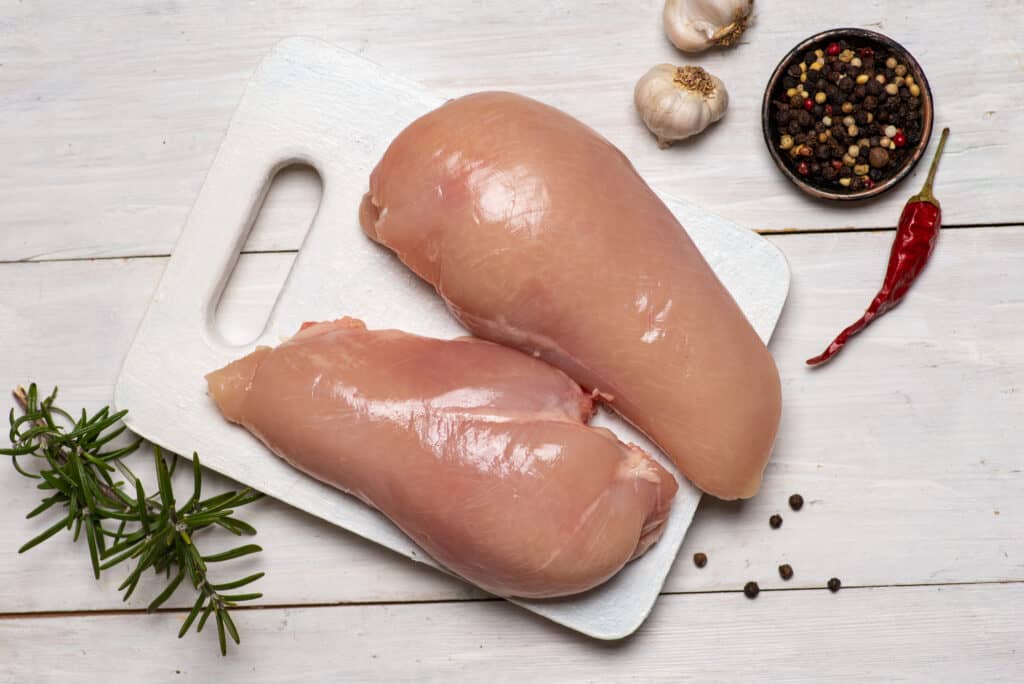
(696, 25)
(676, 103)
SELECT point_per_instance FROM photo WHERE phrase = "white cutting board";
(313, 103)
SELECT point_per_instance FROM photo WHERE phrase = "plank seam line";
(779, 232)
(30, 615)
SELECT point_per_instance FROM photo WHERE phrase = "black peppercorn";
(805, 118)
(860, 92)
(700, 559)
(752, 590)
(789, 82)
(794, 71)
(846, 85)
(775, 521)
(796, 502)
(834, 585)
(786, 571)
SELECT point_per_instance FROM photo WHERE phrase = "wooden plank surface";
(113, 111)
(904, 447)
(810, 636)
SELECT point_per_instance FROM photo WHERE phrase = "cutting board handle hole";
(266, 257)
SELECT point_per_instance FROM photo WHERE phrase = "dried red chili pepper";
(916, 235)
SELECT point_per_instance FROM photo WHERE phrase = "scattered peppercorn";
(786, 571)
(880, 101)
(796, 502)
(700, 559)
(775, 521)
(752, 590)
(834, 584)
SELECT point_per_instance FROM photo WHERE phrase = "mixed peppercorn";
(847, 117)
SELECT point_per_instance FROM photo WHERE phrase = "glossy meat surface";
(478, 452)
(540, 235)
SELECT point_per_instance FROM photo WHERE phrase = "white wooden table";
(908, 448)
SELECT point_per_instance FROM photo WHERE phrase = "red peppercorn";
(808, 104)
(833, 49)
(802, 169)
(828, 109)
(836, 164)
(899, 140)
(868, 183)
(867, 52)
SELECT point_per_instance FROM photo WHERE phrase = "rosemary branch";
(76, 474)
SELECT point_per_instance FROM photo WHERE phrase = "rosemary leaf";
(238, 583)
(198, 606)
(233, 553)
(50, 531)
(167, 592)
(220, 633)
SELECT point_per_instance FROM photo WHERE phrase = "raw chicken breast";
(539, 234)
(479, 453)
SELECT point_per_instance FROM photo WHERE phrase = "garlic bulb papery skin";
(678, 102)
(696, 25)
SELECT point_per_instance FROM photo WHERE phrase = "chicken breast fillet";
(541, 235)
(479, 453)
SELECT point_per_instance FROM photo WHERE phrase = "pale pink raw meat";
(478, 452)
(540, 235)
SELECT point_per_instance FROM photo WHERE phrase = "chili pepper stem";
(926, 194)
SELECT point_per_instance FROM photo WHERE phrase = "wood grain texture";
(904, 448)
(115, 110)
(813, 636)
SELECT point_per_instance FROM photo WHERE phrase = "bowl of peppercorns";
(847, 114)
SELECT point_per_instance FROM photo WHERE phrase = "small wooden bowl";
(864, 38)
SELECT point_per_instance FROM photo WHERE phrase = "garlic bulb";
(696, 25)
(677, 102)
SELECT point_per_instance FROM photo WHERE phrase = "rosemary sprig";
(76, 464)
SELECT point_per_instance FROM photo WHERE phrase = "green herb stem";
(74, 474)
